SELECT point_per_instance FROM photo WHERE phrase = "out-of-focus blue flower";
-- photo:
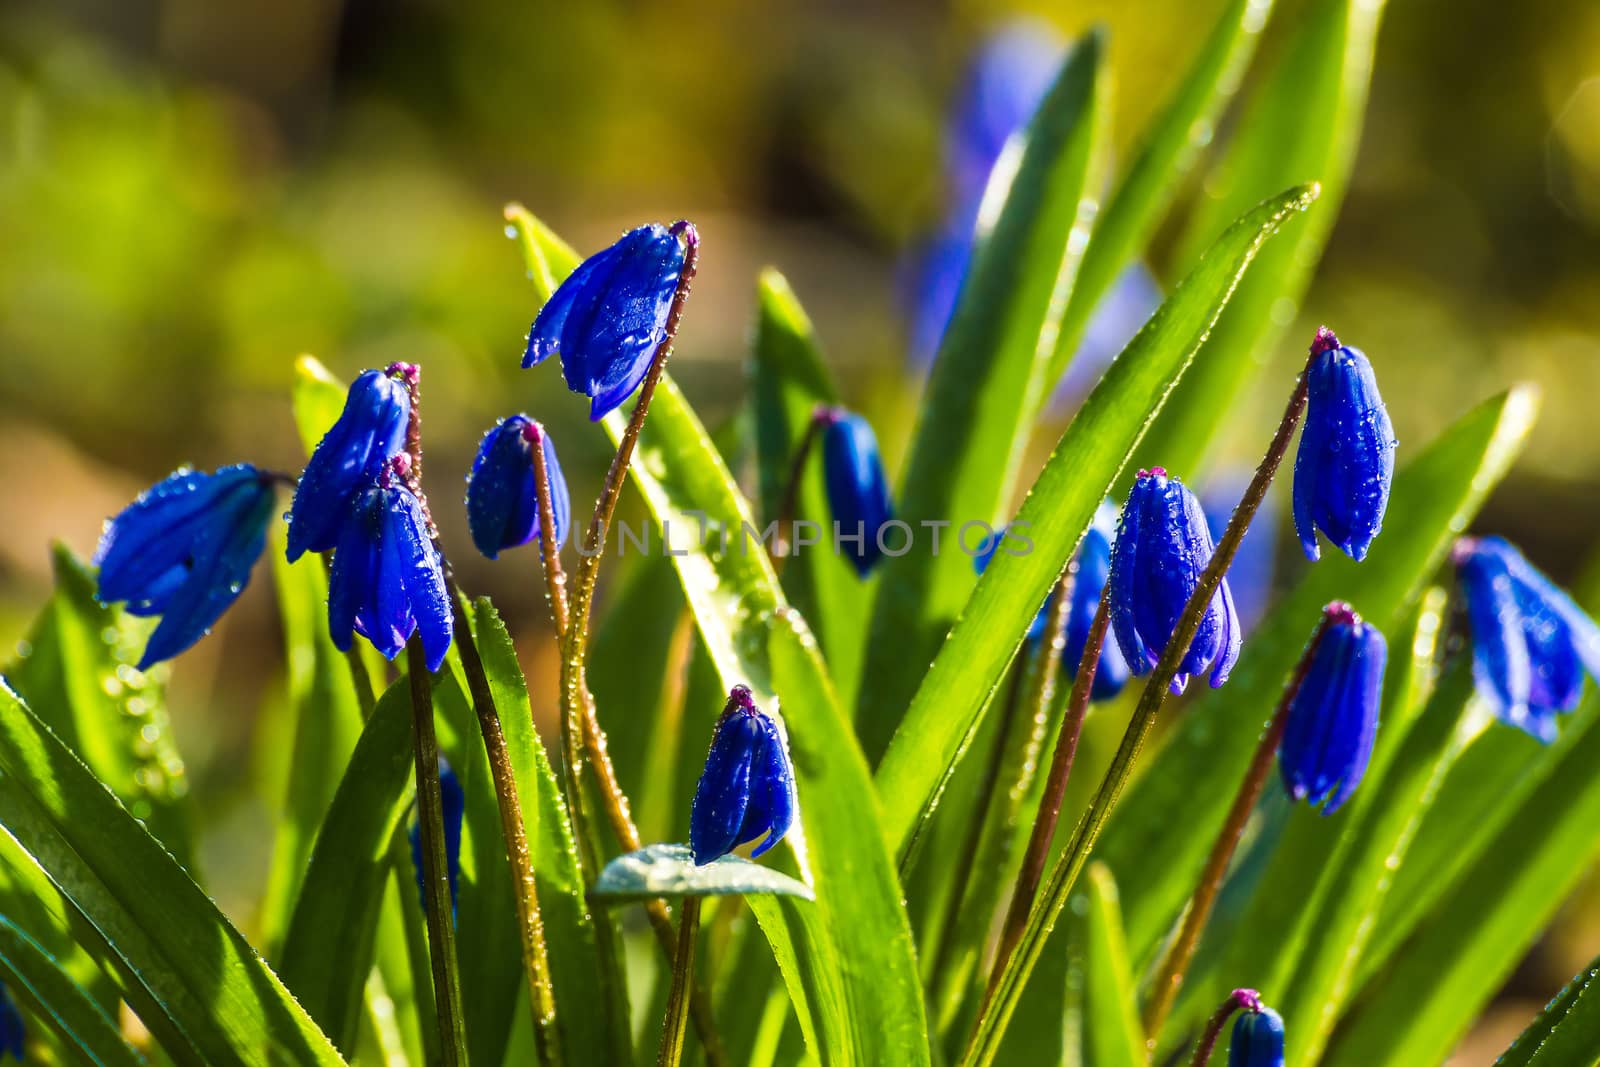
(502, 493)
(1162, 547)
(387, 580)
(1094, 570)
(350, 456)
(1257, 1039)
(1250, 574)
(858, 491)
(1530, 643)
(609, 317)
(184, 551)
(1121, 313)
(1345, 465)
(747, 787)
(1333, 716)
(13, 1035)
(453, 806)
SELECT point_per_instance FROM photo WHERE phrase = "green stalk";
(672, 1029)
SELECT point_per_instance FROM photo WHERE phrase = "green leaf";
(193, 979)
(78, 674)
(1567, 1032)
(1059, 507)
(328, 950)
(318, 398)
(820, 1001)
(1156, 857)
(788, 381)
(670, 871)
(547, 257)
(1115, 1035)
(1169, 149)
(989, 379)
(1302, 123)
(58, 1001)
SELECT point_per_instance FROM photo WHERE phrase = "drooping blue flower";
(1094, 570)
(387, 580)
(609, 317)
(858, 491)
(453, 806)
(1257, 1039)
(350, 456)
(1333, 716)
(1250, 574)
(1345, 465)
(13, 1034)
(1162, 547)
(1531, 644)
(502, 493)
(184, 551)
(747, 787)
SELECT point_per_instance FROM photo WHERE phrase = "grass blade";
(72, 1015)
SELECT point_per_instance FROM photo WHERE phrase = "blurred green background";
(192, 193)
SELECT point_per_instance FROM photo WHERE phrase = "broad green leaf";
(78, 1022)
(1567, 1032)
(989, 379)
(1302, 123)
(1110, 995)
(318, 398)
(1145, 190)
(1059, 507)
(820, 1002)
(788, 381)
(1156, 858)
(193, 979)
(547, 257)
(1460, 956)
(78, 675)
(328, 949)
(670, 871)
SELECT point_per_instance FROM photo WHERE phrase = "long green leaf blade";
(1567, 1032)
(71, 1013)
(1115, 1037)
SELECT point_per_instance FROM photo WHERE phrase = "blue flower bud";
(350, 456)
(747, 787)
(502, 494)
(453, 806)
(1094, 570)
(609, 317)
(1162, 548)
(1333, 716)
(184, 551)
(387, 581)
(1257, 1040)
(1530, 643)
(1345, 465)
(13, 1035)
(858, 491)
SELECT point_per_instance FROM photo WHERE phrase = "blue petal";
(353, 574)
(549, 327)
(1551, 617)
(720, 800)
(772, 799)
(502, 490)
(411, 593)
(858, 490)
(145, 551)
(1124, 571)
(1500, 663)
(1346, 461)
(1257, 1040)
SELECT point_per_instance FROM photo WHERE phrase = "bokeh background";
(192, 193)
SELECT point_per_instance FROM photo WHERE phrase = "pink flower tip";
(1248, 999)
(1325, 341)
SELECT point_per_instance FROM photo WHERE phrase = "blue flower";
(350, 456)
(1530, 643)
(858, 492)
(609, 317)
(1250, 573)
(453, 806)
(1333, 716)
(1161, 549)
(387, 581)
(184, 551)
(502, 496)
(1094, 570)
(747, 787)
(1345, 465)
(1257, 1040)
(13, 1035)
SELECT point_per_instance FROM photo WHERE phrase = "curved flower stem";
(436, 878)
(555, 578)
(1175, 964)
(1247, 999)
(1055, 787)
(672, 1029)
(1012, 967)
(778, 550)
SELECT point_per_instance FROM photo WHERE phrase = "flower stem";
(1247, 999)
(1013, 967)
(672, 1029)
(1169, 977)
(436, 878)
(555, 578)
(778, 551)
